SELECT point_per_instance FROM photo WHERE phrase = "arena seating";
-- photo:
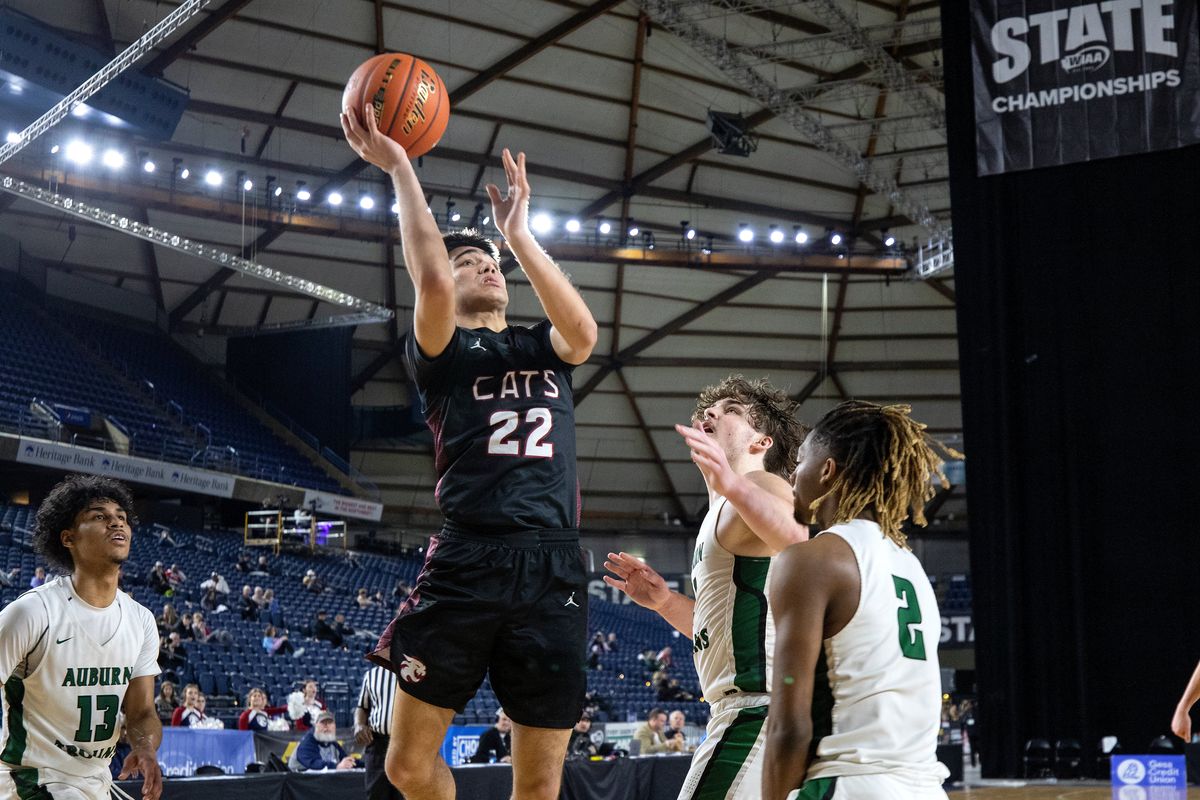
(229, 665)
(173, 409)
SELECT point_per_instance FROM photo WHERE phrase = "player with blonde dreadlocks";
(856, 621)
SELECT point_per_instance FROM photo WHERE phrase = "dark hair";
(58, 511)
(770, 412)
(654, 712)
(470, 237)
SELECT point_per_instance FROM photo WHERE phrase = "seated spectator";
(342, 628)
(595, 650)
(185, 627)
(249, 607)
(172, 655)
(243, 562)
(650, 735)
(363, 599)
(581, 745)
(668, 688)
(189, 714)
(401, 590)
(274, 609)
(9, 578)
(176, 578)
(211, 723)
(496, 742)
(217, 582)
(263, 567)
(258, 714)
(166, 702)
(279, 645)
(611, 642)
(156, 578)
(39, 577)
(168, 620)
(201, 633)
(323, 631)
(675, 728)
(664, 658)
(304, 706)
(320, 749)
(211, 601)
(312, 582)
(257, 596)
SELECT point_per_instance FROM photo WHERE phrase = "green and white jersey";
(878, 694)
(733, 634)
(65, 666)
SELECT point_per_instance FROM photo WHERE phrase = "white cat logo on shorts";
(412, 670)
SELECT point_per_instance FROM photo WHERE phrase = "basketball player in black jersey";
(503, 591)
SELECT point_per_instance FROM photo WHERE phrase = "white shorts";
(728, 764)
(51, 784)
(867, 787)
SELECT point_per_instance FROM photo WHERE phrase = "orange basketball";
(409, 99)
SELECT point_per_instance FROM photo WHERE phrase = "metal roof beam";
(159, 63)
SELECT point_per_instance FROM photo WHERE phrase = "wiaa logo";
(1131, 771)
(1089, 59)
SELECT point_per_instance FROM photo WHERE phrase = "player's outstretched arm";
(764, 509)
(574, 329)
(424, 251)
(648, 589)
(1181, 723)
(145, 735)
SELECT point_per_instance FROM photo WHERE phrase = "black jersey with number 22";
(502, 413)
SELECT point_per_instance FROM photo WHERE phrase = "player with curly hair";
(74, 652)
(856, 619)
(744, 438)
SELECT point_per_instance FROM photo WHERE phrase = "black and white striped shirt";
(378, 693)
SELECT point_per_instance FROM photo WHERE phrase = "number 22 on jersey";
(503, 442)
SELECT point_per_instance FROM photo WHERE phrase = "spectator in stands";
(675, 725)
(176, 578)
(190, 713)
(9, 579)
(342, 628)
(664, 658)
(166, 702)
(258, 598)
(39, 577)
(168, 620)
(263, 567)
(322, 631)
(243, 562)
(258, 714)
(274, 609)
(205, 721)
(248, 607)
(650, 735)
(211, 601)
(595, 650)
(320, 749)
(304, 706)
(156, 578)
(496, 742)
(401, 590)
(668, 688)
(185, 627)
(312, 582)
(201, 633)
(581, 745)
(611, 642)
(164, 536)
(279, 645)
(217, 582)
(172, 655)
(363, 599)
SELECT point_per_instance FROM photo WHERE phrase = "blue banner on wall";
(1168, 772)
(184, 749)
(461, 742)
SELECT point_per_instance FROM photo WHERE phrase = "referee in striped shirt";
(372, 723)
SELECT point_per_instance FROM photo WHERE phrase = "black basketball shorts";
(512, 606)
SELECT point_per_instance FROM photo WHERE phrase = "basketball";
(409, 99)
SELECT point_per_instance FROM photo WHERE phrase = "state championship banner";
(342, 506)
(1064, 81)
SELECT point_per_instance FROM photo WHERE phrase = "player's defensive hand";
(144, 763)
(1181, 724)
(633, 577)
(511, 210)
(362, 134)
(709, 458)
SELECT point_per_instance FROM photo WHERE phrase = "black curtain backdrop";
(305, 373)
(1078, 307)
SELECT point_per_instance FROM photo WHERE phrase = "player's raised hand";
(363, 136)
(633, 577)
(1181, 724)
(145, 764)
(511, 209)
(709, 458)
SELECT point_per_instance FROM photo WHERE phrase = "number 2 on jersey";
(505, 422)
(106, 703)
(912, 638)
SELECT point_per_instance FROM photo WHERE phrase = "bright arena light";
(80, 152)
(801, 237)
(149, 166)
(691, 234)
(776, 236)
(541, 223)
(366, 203)
(303, 195)
(213, 178)
(746, 235)
(335, 198)
(113, 159)
(396, 208)
(605, 229)
(80, 111)
(573, 226)
(13, 137)
(247, 185)
(835, 239)
(889, 241)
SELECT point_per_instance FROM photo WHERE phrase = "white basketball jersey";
(878, 707)
(64, 687)
(733, 634)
